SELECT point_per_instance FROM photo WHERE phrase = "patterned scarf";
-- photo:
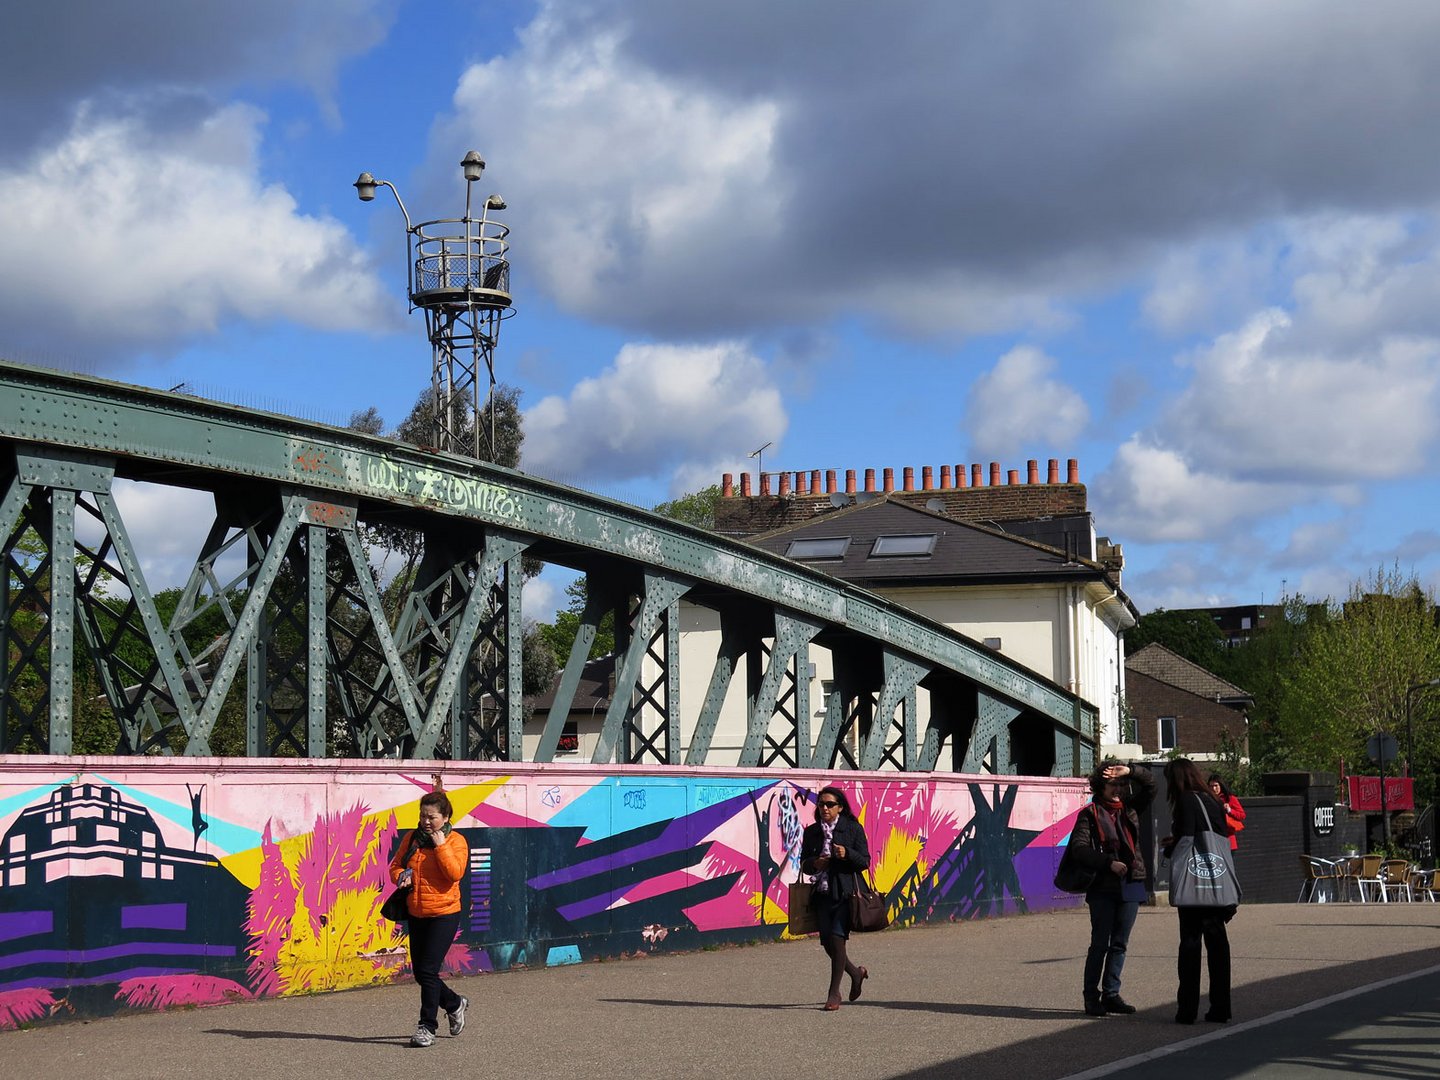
(822, 881)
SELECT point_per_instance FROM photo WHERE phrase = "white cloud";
(120, 237)
(1151, 494)
(1257, 409)
(657, 409)
(1019, 401)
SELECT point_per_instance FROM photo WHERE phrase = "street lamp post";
(458, 273)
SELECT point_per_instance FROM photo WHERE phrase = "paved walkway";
(993, 998)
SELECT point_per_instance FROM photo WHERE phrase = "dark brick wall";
(742, 516)
(1198, 721)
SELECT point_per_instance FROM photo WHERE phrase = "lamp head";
(365, 187)
(472, 164)
(495, 202)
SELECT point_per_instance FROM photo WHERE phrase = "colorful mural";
(143, 885)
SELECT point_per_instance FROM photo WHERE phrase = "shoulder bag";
(867, 907)
(1070, 876)
(1202, 872)
(397, 905)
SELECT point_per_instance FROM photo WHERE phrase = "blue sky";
(1192, 245)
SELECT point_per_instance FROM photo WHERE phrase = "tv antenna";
(760, 466)
(458, 273)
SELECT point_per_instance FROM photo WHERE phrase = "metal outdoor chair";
(1422, 884)
(1320, 879)
(1395, 878)
(1368, 877)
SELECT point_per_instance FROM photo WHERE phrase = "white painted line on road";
(1224, 1031)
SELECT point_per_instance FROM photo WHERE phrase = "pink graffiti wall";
(142, 884)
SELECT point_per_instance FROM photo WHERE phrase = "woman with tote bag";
(1196, 819)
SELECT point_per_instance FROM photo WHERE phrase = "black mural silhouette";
(768, 867)
(197, 819)
(976, 871)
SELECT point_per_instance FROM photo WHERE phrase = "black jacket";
(1185, 819)
(1090, 848)
(850, 835)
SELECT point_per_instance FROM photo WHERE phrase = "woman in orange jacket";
(432, 860)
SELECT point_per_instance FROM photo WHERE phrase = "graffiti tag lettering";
(635, 798)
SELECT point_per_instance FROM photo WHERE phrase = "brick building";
(1177, 705)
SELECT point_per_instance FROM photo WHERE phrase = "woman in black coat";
(1106, 839)
(1190, 798)
(835, 850)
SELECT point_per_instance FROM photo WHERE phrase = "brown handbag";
(867, 907)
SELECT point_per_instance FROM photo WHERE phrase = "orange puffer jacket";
(438, 871)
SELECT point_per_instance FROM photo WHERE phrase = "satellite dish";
(866, 496)
(839, 499)
(937, 505)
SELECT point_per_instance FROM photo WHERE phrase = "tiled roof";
(1165, 665)
(960, 551)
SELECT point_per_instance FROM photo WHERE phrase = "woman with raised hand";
(432, 860)
(835, 850)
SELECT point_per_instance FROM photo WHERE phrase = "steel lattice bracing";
(316, 657)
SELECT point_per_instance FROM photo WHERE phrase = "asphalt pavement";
(1332, 990)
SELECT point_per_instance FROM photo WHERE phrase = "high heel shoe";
(855, 983)
(832, 1004)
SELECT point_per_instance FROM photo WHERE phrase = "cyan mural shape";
(141, 885)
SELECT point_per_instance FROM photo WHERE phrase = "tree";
(696, 508)
(560, 635)
(1191, 634)
(1350, 677)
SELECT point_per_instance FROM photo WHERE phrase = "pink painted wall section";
(147, 883)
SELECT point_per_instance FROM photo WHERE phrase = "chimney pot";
(927, 478)
(944, 477)
(802, 483)
(908, 476)
(784, 483)
(727, 485)
(829, 481)
(889, 479)
(1032, 471)
(849, 481)
(961, 479)
(764, 483)
(994, 474)
(1013, 476)
(1054, 474)
(815, 482)
(745, 485)
(869, 479)
(977, 475)
(1072, 469)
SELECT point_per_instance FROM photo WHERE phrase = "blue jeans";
(1111, 920)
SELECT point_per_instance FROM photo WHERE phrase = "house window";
(992, 643)
(569, 738)
(903, 545)
(1167, 733)
(832, 547)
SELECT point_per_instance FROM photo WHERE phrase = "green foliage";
(560, 635)
(696, 508)
(1191, 634)
(1350, 678)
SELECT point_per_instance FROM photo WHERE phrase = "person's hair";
(440, 801)
(839, 797)
(1216, 778)
(1182, 776)
(1097, 776)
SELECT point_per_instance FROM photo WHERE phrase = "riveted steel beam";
(661, 591)
(792, 634)
(991, 736)
(901, 678)
(150, 431)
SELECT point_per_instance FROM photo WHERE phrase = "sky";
(1192, 245)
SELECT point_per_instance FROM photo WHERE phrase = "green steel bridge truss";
(334, 665)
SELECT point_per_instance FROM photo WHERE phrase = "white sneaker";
(423, 1036)
(457, 1018)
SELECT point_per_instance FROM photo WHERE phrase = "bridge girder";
(328, 667)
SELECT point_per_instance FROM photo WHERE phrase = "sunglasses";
(827, 803)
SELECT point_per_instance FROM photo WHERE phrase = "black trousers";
(430, 940)
(1203, 925)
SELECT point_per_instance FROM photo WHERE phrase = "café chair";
(1368, 877)
(1395, 877)
(1319, 879)
(1422, 884)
